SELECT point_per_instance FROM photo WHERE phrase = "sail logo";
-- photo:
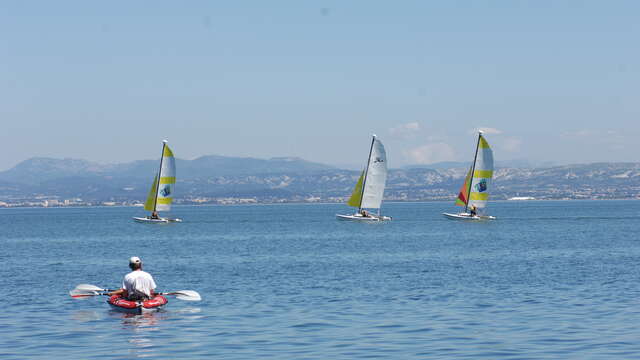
(166, 191)
(378, 160)
(481, 186)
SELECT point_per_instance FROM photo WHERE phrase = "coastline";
(299, 203)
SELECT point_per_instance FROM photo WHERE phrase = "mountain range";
(210, 178)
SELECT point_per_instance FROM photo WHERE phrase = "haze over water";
(547, 280)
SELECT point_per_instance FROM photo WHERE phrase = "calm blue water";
(548, 280)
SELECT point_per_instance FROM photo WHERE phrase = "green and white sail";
(369, 189)
(150, 204)
(356, 196)
(161, 193)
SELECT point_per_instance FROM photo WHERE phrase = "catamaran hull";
(358, 217)
(117, 303)
(155, 221)
(468, 217)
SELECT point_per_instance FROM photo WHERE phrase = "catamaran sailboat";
(474, 193)
(161, 192)
(370, 186)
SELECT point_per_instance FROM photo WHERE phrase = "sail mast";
(473, 168)
(364, 182)
(155, 200)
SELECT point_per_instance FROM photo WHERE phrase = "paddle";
(86, 290)
(187, 295)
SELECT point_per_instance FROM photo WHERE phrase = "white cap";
(135, 260)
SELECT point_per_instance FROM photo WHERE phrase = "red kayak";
(117, 302)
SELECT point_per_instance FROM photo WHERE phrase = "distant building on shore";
(522, 198)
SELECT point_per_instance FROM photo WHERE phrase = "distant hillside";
(43, 170)
(37, 169)
(291, 179)
(212, 165)
(518, 164)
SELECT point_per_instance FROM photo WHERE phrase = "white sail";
(376, 176)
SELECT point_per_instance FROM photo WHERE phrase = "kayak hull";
(359, 217)
(120, 304)
(148, 220)
(468, 217)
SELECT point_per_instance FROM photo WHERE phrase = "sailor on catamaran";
(473, 210)
(137, 285)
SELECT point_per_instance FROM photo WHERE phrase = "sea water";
(547, 280)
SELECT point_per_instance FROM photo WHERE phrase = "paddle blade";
(85, 290)
(187, 295)
(88, 287)
(82, 294)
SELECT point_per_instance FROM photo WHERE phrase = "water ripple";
(539, 283)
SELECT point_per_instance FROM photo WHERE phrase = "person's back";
(139, 284)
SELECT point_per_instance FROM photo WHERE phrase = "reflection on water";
(141, 348)
(138, 328)
(146, 321)
(86, 316)
(188, 310)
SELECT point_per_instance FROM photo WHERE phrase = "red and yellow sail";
(463, 196)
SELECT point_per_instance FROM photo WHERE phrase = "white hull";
(359, 217)
(467, 216)
(155, 221)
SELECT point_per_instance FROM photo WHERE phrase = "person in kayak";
(137, 285)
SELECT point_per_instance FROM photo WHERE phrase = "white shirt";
(139, 282)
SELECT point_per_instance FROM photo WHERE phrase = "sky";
(548, 81)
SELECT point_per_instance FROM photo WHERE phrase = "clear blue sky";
(107, 81)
